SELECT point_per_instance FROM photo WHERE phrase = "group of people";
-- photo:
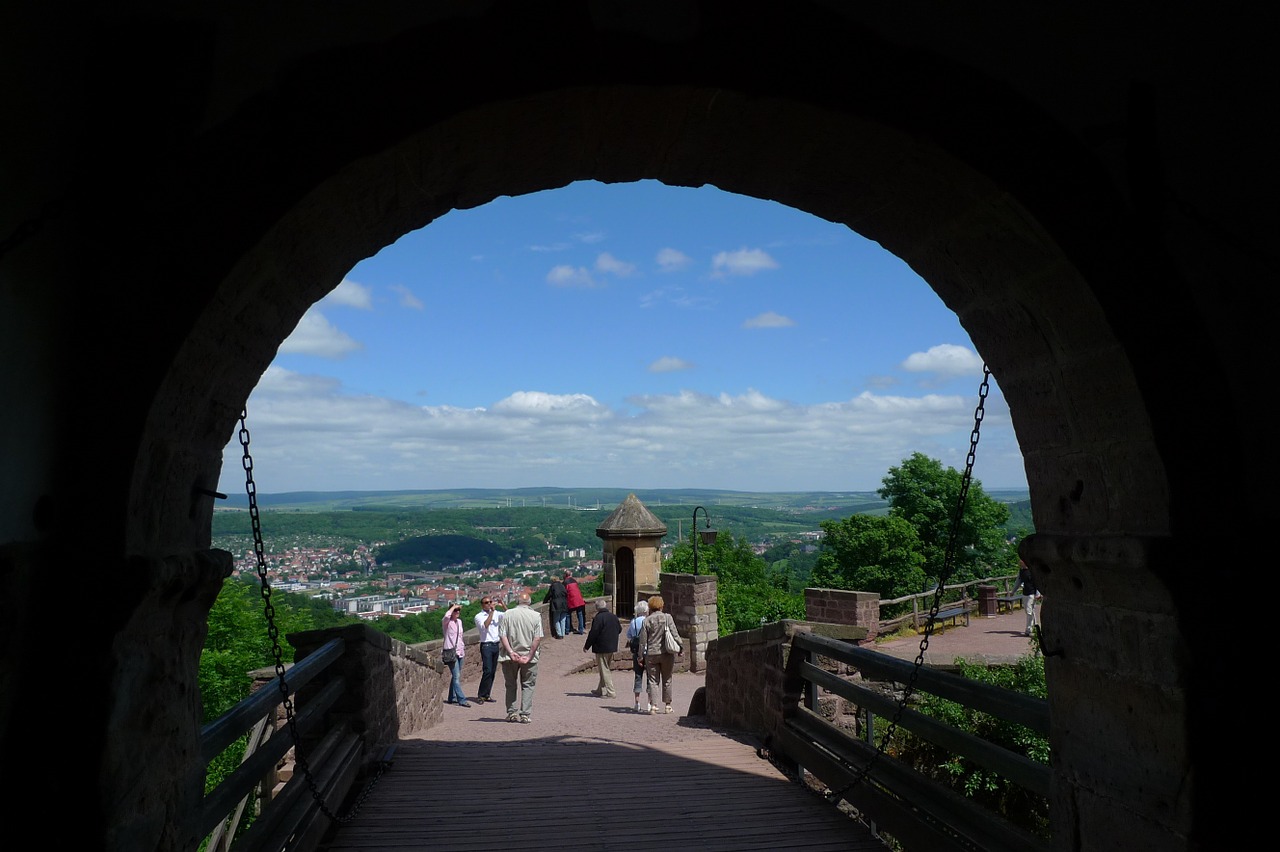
(651, 664)
(509, 638)
(565, 604)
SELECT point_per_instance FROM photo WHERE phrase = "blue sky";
(626, 335)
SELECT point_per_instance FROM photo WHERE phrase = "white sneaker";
(669, 710)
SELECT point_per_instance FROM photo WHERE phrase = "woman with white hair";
(637, 650)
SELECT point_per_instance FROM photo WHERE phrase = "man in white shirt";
(488, 619)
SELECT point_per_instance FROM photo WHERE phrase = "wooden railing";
(897, 799)
(290, 817)
(921, 602)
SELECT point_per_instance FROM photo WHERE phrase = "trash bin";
(987, 606)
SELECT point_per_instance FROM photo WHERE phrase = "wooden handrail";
(901, 800)
(242, 783)
(227, 728)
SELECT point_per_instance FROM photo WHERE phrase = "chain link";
(948, 565)
(259, 551)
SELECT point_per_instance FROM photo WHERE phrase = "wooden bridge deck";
(589, 774)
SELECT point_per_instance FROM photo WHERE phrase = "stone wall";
(392, 689)
(744, 677)
(837, 606)
(691, 600)
(746, 687)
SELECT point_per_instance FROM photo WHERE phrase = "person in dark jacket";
(577, 605)
(558, 609)
(603, 642)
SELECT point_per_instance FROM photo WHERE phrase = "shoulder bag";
(671, 643)
(449, 656)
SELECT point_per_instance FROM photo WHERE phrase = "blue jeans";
(489, 667)
(455, 686)
(582, 618)
(561, 626)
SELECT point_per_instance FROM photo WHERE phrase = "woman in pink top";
(452, 625)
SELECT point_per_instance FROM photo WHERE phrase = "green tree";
(923, 493)
(747, 591)
(868, 553)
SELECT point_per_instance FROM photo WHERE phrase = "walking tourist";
(637, 650)
(1030, 594)
(603, 642)
(658, 664)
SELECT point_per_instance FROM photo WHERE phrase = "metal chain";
(251, 489)
(948, 565)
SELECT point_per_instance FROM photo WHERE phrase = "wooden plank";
(592, 795)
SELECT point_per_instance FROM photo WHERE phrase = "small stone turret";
(632, 554)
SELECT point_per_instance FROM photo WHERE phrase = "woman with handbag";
(452, 625)
(661, 645)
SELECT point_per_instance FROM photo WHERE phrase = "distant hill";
(824, 503)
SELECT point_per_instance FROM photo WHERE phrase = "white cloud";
(946, 361)
(407, 299)
(746, 441)
(590, 238)
(609, 264)
(315, 335)
(349, 294)
(744, 261)
(672, 260)
(669, 364)
(568, 276)
(768, 319)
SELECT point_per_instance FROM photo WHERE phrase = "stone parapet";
(746, 687)
(392, 689)
(838, 606)
(691, 600)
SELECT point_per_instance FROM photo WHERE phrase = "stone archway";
(1065, 195)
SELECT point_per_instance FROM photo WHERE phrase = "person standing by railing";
(452, 628)
(577, 604)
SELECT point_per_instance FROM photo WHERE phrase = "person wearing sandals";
(637, 650)
(658, 664)
(452, 626)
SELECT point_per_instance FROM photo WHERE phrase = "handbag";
(671, 643)
(449, 656)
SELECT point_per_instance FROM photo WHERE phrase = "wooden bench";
(1006, 603)
(951, 614)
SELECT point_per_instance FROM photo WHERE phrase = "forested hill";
(443, 550)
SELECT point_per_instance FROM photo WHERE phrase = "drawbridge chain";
(251, 489)
(948, 565)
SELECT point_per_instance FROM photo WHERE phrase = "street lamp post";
(707, 534)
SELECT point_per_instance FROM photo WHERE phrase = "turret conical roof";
(631, 519)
